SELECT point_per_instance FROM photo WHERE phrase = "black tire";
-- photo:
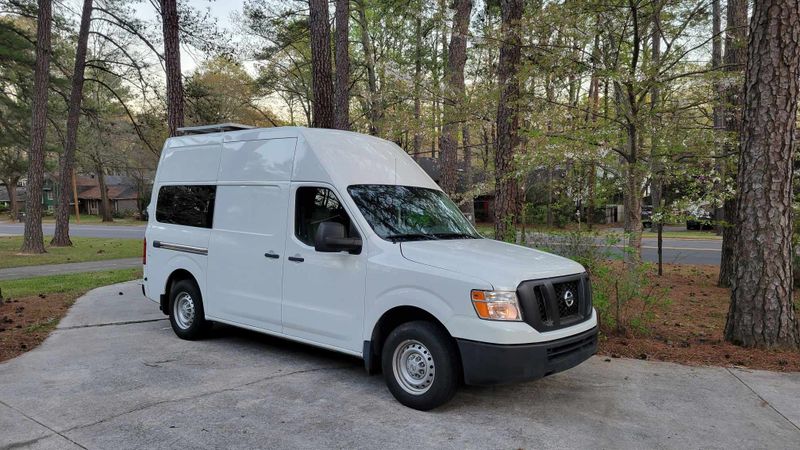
(430, 345)
(198, 325)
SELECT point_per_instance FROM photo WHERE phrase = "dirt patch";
(689, 330)
(26, 322)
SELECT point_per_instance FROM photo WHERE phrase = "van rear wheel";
(420, 365)
(186, 314)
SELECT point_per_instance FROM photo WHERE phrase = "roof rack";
(205, 129)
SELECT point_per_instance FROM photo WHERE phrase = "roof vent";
(206, 129)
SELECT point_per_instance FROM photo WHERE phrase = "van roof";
(341, 158)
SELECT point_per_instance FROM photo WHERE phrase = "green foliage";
(626, 297)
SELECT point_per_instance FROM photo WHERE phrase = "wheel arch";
(174, 277)
(388, 321)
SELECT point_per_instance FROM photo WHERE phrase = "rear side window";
(192, 206)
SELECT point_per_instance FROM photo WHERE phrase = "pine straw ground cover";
(32, 307)
(688, 328)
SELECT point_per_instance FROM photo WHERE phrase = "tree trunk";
(762, 309)
(633, 210)
(11, 189)
(373, 101)
(105, 204)
(341, 118)
(321, 84)
(506, 188)
(172, 64)
(33, 241)
(718, 112)
(468, 205)
(734, 60)
(656, 163)
(453, 99)
(417, 86)
(67, 160)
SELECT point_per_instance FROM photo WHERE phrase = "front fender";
(414, 296)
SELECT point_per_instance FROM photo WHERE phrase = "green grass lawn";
(95, 220)
(683, 235)
(71, 284)
(83, 249)
(487, 230)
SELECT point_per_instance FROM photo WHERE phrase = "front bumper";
(487, 364)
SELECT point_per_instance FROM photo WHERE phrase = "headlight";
(496, 305)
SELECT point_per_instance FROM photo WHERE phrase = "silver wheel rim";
(413, 367)
(184, 310)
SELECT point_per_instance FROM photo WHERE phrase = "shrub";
(626, 297)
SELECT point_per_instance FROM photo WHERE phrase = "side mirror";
(330, 237)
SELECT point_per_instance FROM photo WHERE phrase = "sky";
(221, 9)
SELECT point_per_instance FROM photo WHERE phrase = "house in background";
(49, 196)
(123, 195)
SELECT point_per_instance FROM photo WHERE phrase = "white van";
(340, 240)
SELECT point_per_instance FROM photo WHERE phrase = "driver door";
(323, 293)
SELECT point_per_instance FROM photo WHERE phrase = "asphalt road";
(683, 251)
(113, 375)
(680, 251)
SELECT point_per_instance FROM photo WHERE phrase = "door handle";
(296, 258)
(272, 255)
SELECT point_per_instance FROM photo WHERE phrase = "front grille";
(554, 303)
(541, 303)
(567, 295)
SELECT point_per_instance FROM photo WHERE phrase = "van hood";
(501, 264)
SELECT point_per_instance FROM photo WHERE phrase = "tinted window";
(314, 205)
(192, 206)
(411, 213)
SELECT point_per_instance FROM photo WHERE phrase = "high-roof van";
(339, 240)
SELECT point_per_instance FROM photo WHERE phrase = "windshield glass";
(411, 213)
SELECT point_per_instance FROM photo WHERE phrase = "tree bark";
(468, 205)
(67, 160)
(656, 163)
(506, 187)
(633, 211)
(172, 64)
(11, 189)
(341, 119)
(718, 112)
(418, 85)
(322, 115)
(33, 241)
(105, 204)
(373, 97)
(453, 99)
(734, 61)
(762, 311)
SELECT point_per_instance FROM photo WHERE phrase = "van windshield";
(407, 213)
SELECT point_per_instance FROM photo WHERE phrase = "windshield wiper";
(410, 237)
(456, 236)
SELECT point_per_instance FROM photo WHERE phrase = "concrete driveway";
(114, 376)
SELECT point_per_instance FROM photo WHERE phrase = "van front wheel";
(186, 314)
(420, 364)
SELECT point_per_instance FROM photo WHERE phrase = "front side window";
(314, 205)
(411, 213)
(192, 206)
